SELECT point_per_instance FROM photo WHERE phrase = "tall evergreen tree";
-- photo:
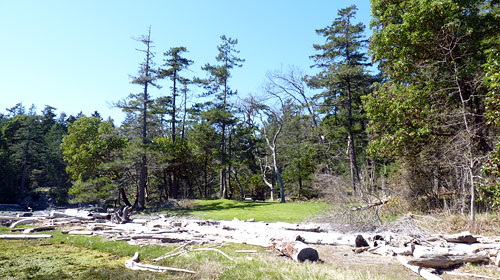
(175, 63)
(217, 85)
(342, 60)
(140, 105)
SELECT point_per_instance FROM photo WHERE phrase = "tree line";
(423, 127)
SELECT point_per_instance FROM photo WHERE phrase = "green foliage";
(401, 120)
(90, 146)
(428, 114)
(342, 60)
(492, 68)
(490, 186)
(30, 156)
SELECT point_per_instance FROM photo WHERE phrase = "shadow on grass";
(220, 205)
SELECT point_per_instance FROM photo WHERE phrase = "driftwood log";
(121, 215)
(24, 236)
(297, 250)
(446, 260)
(464, 237)
(134, 264)
(42, 228)
(418, 270)
(24, 221)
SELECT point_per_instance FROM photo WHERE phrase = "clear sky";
(79, 55)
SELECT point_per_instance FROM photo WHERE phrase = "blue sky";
(79, 55)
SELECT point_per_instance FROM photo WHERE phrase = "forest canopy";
(410, 112)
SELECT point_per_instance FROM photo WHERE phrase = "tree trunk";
(282, 188)
(141, 201)
(296, 250)
(205, 177)
(123, 195)
(300, 178)
(242, 192)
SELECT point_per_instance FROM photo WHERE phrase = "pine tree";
(342, 61)
(217, 84)
(139, 104)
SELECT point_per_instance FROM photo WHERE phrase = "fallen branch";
(418, 270)
(174, 252)
(216, 250)
(24, 221)
(368, 206)
(134, 264)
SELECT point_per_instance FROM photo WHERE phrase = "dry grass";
(487, 224)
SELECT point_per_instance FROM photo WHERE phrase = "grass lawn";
(268, 211)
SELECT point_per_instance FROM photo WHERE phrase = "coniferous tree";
(217, 85)
(343, 75)
(175, 63)
(138, 107)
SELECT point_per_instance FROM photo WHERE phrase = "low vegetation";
(268, 211)
(82, 257)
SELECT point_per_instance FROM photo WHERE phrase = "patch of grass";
(119, 248)
(83, 257)
(4, 228)
(268, 211)
(32, 259)
(486, 223)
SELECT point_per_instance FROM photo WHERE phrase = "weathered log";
(418, 270)
(297, 250)
(24, 221)
(42, 228)
(463, 237)
(134, 264)
(122, 216)
(312, 229)
(382, 250)
(446, 260)
(9, 218)
(360, 241)
(105, 216)
(25, 236)
(81, 232)
(404, 251)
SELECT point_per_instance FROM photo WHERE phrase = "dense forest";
(422, 127)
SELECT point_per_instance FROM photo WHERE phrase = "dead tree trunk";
(297, 250)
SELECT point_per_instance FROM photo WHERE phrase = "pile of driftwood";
(283, 238)
(425, 255)
(434, 255)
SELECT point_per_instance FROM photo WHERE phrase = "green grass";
(83, 257)
(268, 211)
